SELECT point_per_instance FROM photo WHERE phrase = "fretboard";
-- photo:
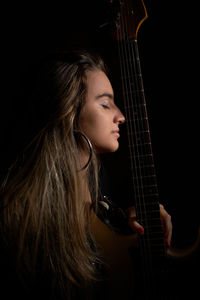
(144, 181)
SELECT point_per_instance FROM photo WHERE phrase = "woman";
(47, 196)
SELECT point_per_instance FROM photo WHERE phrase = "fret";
(147, 189)
(147, 180)
(153, 214)
(144, 160)
(151, 195)
(152, 225)
(143, 156)
(148, 176)
(128, 60)
(138, 119)
(141, 132)
(155, 245)
(137, 74)
(138, 139)
(155, 234)
(136, 108)
(141, 139)
(155, 242)
(158, 251)
(133, 87)
(145, 214)
(141, 144)
(130, 77)
(146, 198)
(143, 168)
(141, 148)
(149, 205)
(135, 92)
(139, 125)
(143, 178)
(138, 165)
(157, 239)
(136, 113)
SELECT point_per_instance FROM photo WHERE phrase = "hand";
(167, 225)
(165, 218)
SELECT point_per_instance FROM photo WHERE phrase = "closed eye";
(105, 106)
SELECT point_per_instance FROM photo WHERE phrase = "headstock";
(128, 17)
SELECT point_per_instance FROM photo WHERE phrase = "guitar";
(135, 274)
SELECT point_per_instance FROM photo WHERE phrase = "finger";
(168, 235)
(131, 212)
(136, 226)
(167, 224)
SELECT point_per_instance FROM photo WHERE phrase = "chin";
(107, 149)
(114, 148)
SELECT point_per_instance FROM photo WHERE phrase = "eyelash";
(105, 106)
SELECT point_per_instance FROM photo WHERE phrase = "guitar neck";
(128, 17)
(145, 188)
(144, 181)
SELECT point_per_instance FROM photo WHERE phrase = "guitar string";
(137, 120)
(146, 126)
(159, 233)
(133, 124)
(132, 129)
(140, 100)
(125, 49)
(138, 89)
(124, 88)
(143, 119)
(127, 105)
(135, 102)
(130, 133)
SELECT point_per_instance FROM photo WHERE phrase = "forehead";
(98, 82)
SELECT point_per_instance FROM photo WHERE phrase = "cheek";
(98, 127)
(95, 127)
(99, 133)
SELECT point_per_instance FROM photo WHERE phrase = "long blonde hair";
(44, 210)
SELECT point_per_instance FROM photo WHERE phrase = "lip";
(116, 133)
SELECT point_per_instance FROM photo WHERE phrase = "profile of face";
(100, 117)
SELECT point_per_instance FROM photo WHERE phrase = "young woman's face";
(100, 117)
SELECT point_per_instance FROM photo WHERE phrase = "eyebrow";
(111, 96)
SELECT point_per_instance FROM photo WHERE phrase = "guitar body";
(122, 262)
(116, 250)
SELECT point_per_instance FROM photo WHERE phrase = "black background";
(169, 47)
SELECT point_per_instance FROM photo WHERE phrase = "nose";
(119, 117)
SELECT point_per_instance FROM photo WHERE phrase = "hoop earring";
(89, 146)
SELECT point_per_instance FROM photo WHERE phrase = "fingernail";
(141, 230)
